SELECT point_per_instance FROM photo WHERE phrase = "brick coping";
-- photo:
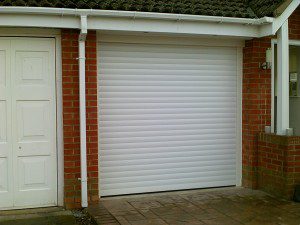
(279, 139)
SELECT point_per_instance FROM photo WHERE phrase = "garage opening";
(168, 117)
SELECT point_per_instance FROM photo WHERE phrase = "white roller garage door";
(167, 117)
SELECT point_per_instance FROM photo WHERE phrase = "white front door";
(28, 164)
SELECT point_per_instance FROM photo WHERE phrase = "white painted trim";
(291, 42)
(279, 21)
(129, 14)
(272, 87)
(50, 33)
(283, 79)
(146, 38)
(98, 37)
(43, 21)
(29, 32)
(135, 21)
(144, 21)
(274, 42)
(60, 134)
(174, 27)
(239, 120)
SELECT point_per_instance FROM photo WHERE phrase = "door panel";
(3, 68)
(34, 127)
(6, 184)
(33, 173)
(3, 127)
(34, 118)
(32, 67)
(3, 175)
(28, 164)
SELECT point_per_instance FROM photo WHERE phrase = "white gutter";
(132, 14)
(132, 21)
(82, 97)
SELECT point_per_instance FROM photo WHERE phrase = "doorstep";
(24, 214)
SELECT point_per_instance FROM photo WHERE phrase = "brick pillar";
(256, 105)
(71, 128)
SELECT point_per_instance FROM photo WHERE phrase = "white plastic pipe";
(82, 99)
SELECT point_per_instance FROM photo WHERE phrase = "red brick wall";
(294, 25)
(256, 104)
(278, 164)
(70, 84)
(257, 99)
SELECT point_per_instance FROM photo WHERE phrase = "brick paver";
(232, 206)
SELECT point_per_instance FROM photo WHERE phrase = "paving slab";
(221, 206)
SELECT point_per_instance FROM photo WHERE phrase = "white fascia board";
(279, 21)
(42, 21)
(129, 14)
(265, 30)
(133, 21)
(175, 27)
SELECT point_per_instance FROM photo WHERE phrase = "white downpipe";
(83, 160)
(283, 79)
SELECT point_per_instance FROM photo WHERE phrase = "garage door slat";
(181, 128)
(169, 176)
(155, 144)
(162, 100)
(167, 154)
(180, 180)
(160, 167)
(190, 169)
(160, 133)
(167, 150)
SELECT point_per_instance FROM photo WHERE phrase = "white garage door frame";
(238, 44)
(56, 34)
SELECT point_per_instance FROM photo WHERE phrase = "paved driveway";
(229, 206)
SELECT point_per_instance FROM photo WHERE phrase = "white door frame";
(56, 34)
(274, 60)
(192, 40)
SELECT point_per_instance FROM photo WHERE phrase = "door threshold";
(20, 214)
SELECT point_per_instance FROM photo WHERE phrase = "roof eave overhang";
(107, 20)
(284, 15)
